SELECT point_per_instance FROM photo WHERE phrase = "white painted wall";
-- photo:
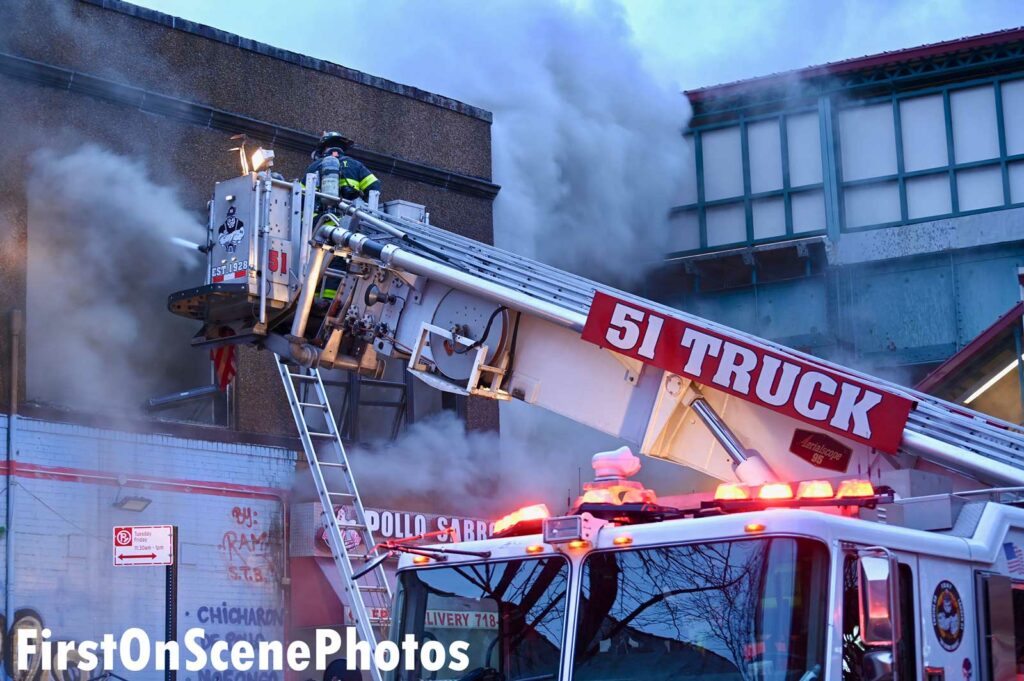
(231, 540)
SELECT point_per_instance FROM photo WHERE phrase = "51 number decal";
(624, 330)
(277, 261)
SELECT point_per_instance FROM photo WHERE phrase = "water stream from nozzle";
(185, 243)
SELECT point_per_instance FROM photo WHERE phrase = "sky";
(685, 43)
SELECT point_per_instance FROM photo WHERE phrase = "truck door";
(1001, 613)
(864, 662)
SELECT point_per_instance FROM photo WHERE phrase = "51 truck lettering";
(801, 388)
(624, 330)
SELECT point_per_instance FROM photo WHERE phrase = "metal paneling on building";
(870, 210)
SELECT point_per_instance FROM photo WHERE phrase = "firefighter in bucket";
(341, 175)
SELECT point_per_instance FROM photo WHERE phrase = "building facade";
(869, 211)
(170, 95)
(137, 111)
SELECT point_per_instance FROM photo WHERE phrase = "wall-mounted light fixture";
(136, 504)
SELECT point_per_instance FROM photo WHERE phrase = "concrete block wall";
(228, 500)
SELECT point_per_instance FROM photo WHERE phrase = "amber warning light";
(733, 497)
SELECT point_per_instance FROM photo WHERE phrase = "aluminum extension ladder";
(367, 590)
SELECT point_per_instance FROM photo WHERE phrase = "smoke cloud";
(538, 458)
(436, 464)
(101, 263)
(588, 149)
(587, 143)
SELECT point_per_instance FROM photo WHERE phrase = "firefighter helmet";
(331, 140)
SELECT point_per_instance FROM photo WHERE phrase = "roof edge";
(156, 427)
(966, 353)
(305, 61)
(1008, 35)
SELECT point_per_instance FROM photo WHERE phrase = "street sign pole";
(150, 545)
(171, 605)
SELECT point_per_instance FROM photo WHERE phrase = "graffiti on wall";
(248, 547)
(239, 623)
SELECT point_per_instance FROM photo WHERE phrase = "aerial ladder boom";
(475, 320)
(575, 347)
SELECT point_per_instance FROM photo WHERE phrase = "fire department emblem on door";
(947, 615)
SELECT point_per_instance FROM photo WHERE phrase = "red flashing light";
(855, 489)
(524, 514)
(775, 490)
(730, 491)
(815, 489)
(753, 527)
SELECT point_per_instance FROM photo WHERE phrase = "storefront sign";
(387, 524)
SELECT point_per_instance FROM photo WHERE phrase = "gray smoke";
(101, 263)
(437, 464)
(540, 457)
(587, 143)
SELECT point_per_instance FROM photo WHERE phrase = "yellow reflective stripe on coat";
(366, 182)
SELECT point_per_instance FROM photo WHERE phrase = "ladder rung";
(351, 526)
(328, 464)
(315, 434)
(301, 377)
(313, 404)
(341, 494)
(374, 589)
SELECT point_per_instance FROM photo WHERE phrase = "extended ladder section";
(352, 545)
(952, 435)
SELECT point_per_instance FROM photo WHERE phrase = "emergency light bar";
(733, 497)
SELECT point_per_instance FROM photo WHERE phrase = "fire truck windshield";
(736, 611)
(511, 613)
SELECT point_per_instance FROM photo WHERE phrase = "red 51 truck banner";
(804, 390)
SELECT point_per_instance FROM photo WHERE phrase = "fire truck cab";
(828, 579)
